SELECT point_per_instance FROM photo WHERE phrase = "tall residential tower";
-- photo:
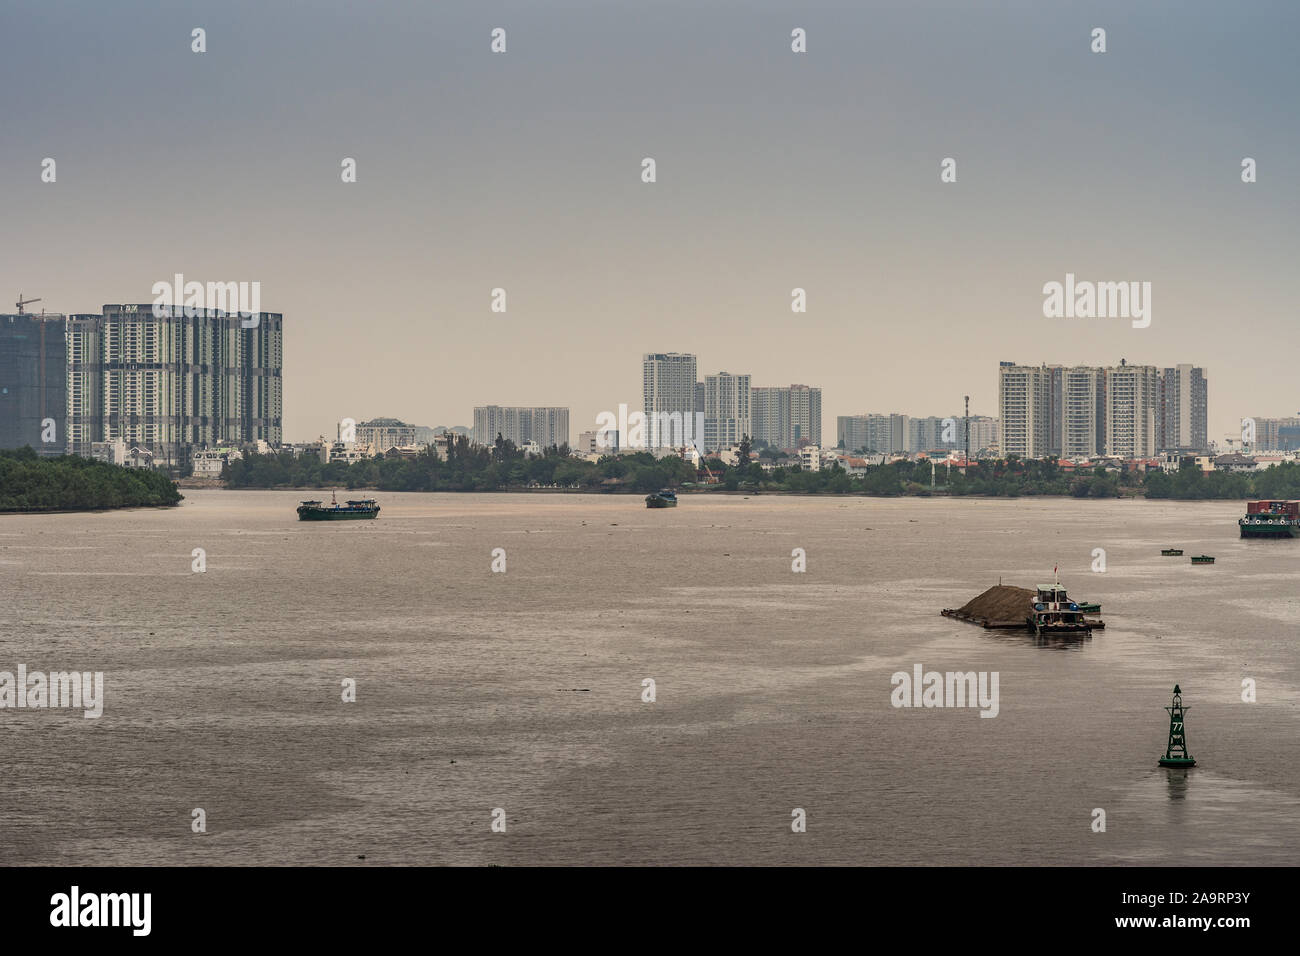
(173, 383)
(668, 390)
(1123, 411)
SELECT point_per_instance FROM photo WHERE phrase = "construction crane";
(712, 478)
(699, 451)
(22, 302)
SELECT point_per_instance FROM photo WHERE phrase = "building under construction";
(33, 380)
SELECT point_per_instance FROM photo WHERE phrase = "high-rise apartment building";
(1025, 409)
(726, 410)
(1185, 414)
(546, 425)
(851, 432)
(933, 433)
(883, 434)
(170, 383)
(1083, 412)
(668, 389)
(786, 417)
(983, 434)
(1133, 411)
(1275, 434)
(1125, 411)
(33, 383)
(899, 434)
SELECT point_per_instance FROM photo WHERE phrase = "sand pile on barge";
(1003, 606)
(999, 606)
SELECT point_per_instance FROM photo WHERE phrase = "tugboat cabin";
(1051, 594)
(1054, 612)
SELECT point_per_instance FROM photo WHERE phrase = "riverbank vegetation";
(467, 467)
(503, 467)
(71, 483)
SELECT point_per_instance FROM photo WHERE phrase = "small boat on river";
(355, 508)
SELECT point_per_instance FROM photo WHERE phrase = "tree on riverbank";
(72, 483)
(1191, 484)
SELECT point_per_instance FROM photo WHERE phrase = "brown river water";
(523, 690)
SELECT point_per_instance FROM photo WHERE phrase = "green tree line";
(502, 466)
(72, 483)
(467, 467)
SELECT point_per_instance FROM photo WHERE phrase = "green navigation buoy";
(1176, 754)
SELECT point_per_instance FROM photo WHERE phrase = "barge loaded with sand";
(1047, 610)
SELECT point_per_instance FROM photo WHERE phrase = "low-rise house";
(402, 451)
(210, 462)
(1234, 463)
(854, 466)
(348, 452)
(113, 452)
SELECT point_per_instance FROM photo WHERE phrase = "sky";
(775, 170)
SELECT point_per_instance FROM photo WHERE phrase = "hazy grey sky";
(775, 170)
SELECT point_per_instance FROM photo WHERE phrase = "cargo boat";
(1202, 559)
(661, 499)
(1271, 519)
(354, 509)
(1055, 613)
(1172, 552)
(1003, 607)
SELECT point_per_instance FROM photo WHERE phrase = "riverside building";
(33, 382)
(1123, 411)
(668, 391)
(173, 383)
(786, 417)
(546, 425)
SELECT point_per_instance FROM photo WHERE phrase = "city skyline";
(394, 274)
(171, 382)
(698, 393)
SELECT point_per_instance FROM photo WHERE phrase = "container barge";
(1271, 519)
